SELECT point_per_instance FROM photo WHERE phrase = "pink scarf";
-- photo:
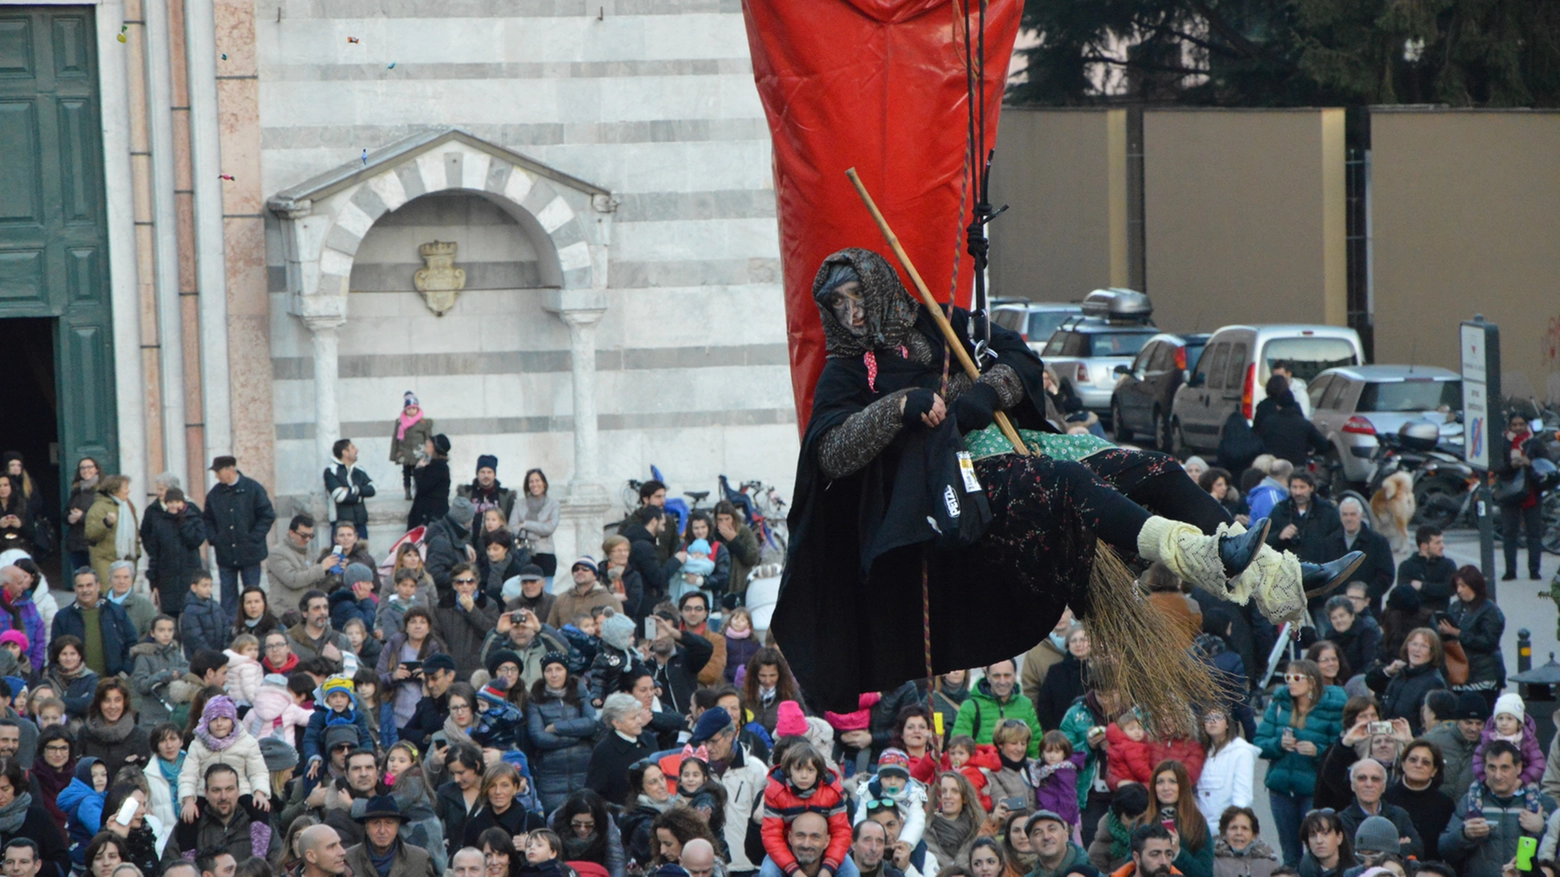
(405, 423)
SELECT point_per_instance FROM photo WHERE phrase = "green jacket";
(979, 715)
(1075, 856)
(1076, 724)
(1290, 772)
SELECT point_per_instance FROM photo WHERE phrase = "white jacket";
(244, 677)
(1226, 779)
(744, 797)
(244, 756)
(161, 803)
(912, 806)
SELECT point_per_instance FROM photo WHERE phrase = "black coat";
(843, 627)
(885, 715)
(76, 534)
(172, 552)
(609, 763)
(238, 517)
(1378, 569)
(451, 806)
(679, 676)
(444, 546)
(1289, 436)
(1063, 684)
(1480, 626)
(642, 558)
(1402, 695)
(1435, 576)
(433, 493)
(1310, 543)
(39, 827)
(358, 487)
(515, 820)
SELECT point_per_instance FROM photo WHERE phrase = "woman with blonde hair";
(956, 819)
(113, 530)
(621, 579)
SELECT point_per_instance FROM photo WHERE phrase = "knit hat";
(617, 631)
(555, 658)
(789, 721)
(894, 761)
(335, 684)
(493, 694)
(1472, 706)
(711, 722)
(487, 461)
(441, 443)
(219, 707)
(586, 561)
(357, 572)
(277, 754)
(338, 735)
(1403, 599)
(462, 511)
(1376, 834)
(699, 546)
(530, 573)
(17, 684)
(1511, 705)
(503, 656)
(436, 663)
(15, 636)
(409, 399)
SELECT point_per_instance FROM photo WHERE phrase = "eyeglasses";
(1419, 759)
(460, 708)
(271, 647)
(62, 747)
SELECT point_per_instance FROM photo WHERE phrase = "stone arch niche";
(565, 222)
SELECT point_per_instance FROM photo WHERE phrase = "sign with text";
(1480, 344)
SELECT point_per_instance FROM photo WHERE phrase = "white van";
(1232, 373)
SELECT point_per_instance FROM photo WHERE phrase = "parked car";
(1034, 320)
(1146, 389)
(1354, 404)
(1231, 375)
(1085, 350)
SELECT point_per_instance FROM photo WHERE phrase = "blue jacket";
(32, 625)
(344, 608)
(1290, 772)
(314, 734)
(83, 809)
(203, 624)
(118, 633)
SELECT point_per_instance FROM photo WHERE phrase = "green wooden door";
(53, 222)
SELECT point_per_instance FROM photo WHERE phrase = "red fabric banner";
(878, 85)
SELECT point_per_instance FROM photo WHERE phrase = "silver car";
(1085, 352)
(1354, 404)
(1034, 320)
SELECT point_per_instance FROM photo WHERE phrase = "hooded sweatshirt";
(83, 808)
(274, 714)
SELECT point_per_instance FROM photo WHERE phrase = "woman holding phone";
(400, 663)
(1301, 720)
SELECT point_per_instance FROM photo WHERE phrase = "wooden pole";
(932, 305)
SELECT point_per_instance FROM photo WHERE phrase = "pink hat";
(15, 636)
(790, 722)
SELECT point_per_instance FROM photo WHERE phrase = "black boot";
(1236, 551)
(1510, 576)
(1321, 579)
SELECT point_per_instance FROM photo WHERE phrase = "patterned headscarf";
(890, 309)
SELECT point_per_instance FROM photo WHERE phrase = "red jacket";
(1130, 761)
(1187, 751)
(975, 770)
(782, 803)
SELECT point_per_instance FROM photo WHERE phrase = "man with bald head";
(468, 862)
(808, 838)
(698, 858)
(322, 853)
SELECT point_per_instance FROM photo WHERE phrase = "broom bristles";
(1137, 653)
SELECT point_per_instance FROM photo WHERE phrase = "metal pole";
(1524, 650)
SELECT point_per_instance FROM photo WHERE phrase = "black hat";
(531, 572)
(438, 662)
(441, 443)
(382, 807)
(555, 657)
(503, 656)
(1472, 706)
(224, 462)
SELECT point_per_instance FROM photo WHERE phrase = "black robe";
(844, 632)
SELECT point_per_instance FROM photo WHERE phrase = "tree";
(1499, 53)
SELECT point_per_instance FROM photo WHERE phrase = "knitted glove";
(976, 407)
(917, 403)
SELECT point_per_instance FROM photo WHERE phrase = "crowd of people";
(457, 704)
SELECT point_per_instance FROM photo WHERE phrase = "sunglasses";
(1296, 677)
(465, 581)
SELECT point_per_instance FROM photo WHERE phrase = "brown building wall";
(1464, 211)
(1064, 174)
(1244, 216)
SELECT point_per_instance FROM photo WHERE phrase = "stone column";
(324, 314)
(584, 510)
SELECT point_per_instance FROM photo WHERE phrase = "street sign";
(1483, 424)
(1481, 389)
